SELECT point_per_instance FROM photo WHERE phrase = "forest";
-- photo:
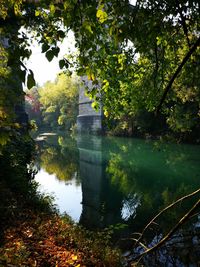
(142, 60)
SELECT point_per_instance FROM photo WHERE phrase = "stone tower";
(88, 120)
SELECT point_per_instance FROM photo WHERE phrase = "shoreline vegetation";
(39, 236)
(32, 231)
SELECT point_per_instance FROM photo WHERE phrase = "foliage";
(10, 97)
(141, 71)
(60, 157)
(149, 52)
(6, 5)
(55, 104)
(137, 66)
(59, 101)
(33, 106)
(32, 242)
(31, 229)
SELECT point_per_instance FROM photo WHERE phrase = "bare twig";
(166, 208)
(141, 244)
(171, 232)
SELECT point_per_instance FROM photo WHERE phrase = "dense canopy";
(143, 57)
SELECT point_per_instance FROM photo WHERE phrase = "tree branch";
(168, 207)
(183, 23)
(172, 231)
(184, 61)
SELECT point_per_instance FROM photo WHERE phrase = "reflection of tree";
(155, 176)
(120, 175)
(130, 204)
(60, 160)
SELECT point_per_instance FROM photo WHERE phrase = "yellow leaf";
(74, 257)
(106, 113)
(91, 76)
(52, 8)
(101, 15)
(94, 105)
(16, 125)
(37, 13)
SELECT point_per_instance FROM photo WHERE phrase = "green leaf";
(81, 71)
(87, 26)
(4, 138)
(49, 55)
(22, 75)
(30, 80)
(159, 40)
(51, 109)
(61, 34)
(95, 105)
(45, 47)
(62, 63)
(56, 51)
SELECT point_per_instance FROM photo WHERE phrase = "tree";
(150, 53)
(33, 106)
(59, 101)
(158, 71)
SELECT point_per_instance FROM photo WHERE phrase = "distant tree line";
(54, 105)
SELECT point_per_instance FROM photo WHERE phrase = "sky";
(132, 2)
(43, 69)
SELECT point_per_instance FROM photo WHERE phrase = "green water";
(103, 181)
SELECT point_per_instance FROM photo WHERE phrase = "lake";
(102, 181)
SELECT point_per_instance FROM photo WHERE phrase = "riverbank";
(34, 235)
(32, 232)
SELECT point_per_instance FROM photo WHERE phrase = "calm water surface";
(101, 181)
(114, 179)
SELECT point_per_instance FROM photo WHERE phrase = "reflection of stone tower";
(100, 208)
(88, 120)
(91, 169)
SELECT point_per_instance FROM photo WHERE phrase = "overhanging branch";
(184, 61)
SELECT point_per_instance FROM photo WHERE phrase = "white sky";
(43, 69)
(132, 2)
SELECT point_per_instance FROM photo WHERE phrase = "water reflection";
(122, 180)
(102, 202)
(126, 180)
(102, 181)
(58, 173)
(130, 181)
